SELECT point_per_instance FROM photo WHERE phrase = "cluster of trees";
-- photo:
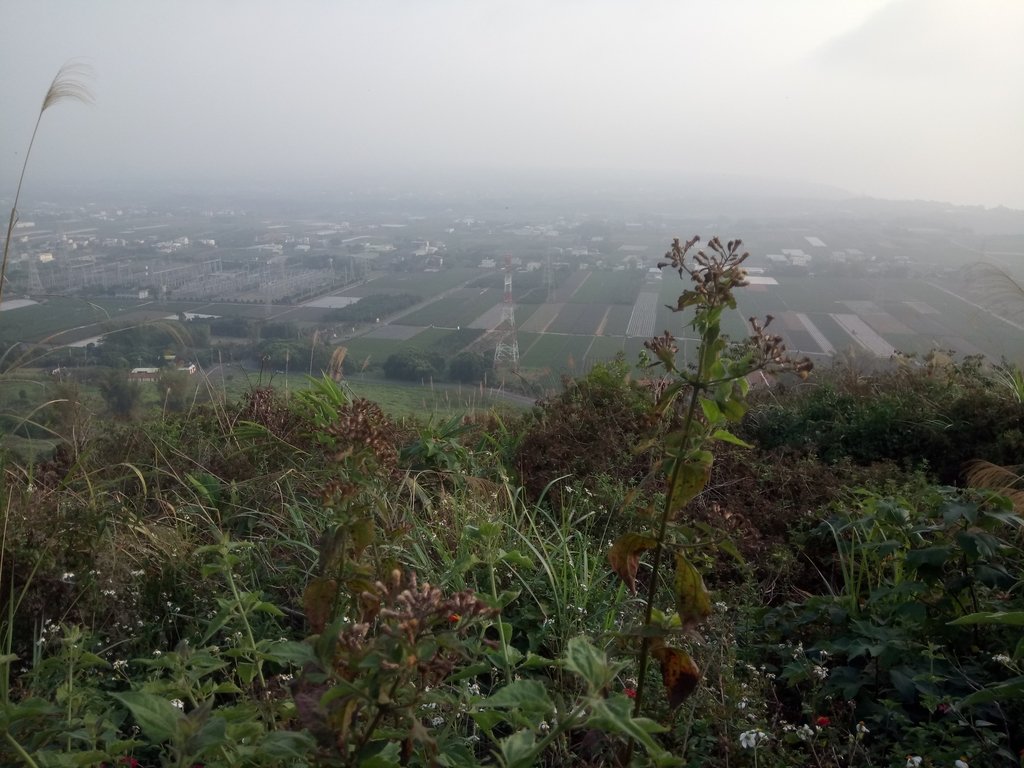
(374, 306)
(413, 365)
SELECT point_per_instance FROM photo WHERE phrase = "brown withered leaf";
(624, 556)
(679, 673)
(318, 602)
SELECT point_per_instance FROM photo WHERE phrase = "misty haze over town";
(499, 180)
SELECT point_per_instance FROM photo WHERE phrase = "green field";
(461, 308)
(425, 284)
(609, 288)
(555, 352)
(40, 321)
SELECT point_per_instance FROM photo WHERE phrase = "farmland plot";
(425, 284)
(609, 288)
(461, 308)
(541, 318)
(606, 348)
(580, 319)
(555, 351)
(643, 315)
(617, 320)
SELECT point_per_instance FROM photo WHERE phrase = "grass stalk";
(68, 84)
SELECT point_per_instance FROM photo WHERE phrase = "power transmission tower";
(507, 350)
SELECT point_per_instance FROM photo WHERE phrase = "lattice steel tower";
(507, 350)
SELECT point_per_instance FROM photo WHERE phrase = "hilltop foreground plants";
(308, 582)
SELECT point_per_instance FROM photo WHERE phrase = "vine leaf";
(679, 673)
(693, 602)
(624, 556)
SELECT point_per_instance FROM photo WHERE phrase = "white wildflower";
(805, 732)
(961, 763)
(913, 761)
(819, 672)
(753, 739)
(120, 665)
(177, 703)
(437, 722)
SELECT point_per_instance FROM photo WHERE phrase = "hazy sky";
(898, 98)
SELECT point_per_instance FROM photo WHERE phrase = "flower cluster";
(753, 739)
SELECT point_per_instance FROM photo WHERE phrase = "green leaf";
(516, 559)
(218, 622)
(614, 714)
(282, 745)
(487, 719)
(928, 557)
(728, 437)
(210, 736)
(157, 717)
(1009, 689)
(246, 671)
(389, 756)
(264, 607)
(589, 663)
(527, 696)
(729, 547)
(734, 410)
(692, 477)
(624, 556)
(1005, 618)
(711, 411)
(518, 750)
(693, 601)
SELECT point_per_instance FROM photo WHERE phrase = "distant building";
(143, 374)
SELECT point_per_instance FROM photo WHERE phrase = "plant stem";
(659, 546)
(245, 622)
(20, 750)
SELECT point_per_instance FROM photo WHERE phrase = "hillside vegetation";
(703, 567)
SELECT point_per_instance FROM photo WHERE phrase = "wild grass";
(69, 84)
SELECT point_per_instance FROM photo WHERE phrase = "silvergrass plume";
(68, 84)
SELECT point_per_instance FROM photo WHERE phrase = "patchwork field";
(596, 315)
(600, 314)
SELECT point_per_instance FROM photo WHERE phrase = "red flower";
(631, 692)
(823, 721)
(454, 618)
